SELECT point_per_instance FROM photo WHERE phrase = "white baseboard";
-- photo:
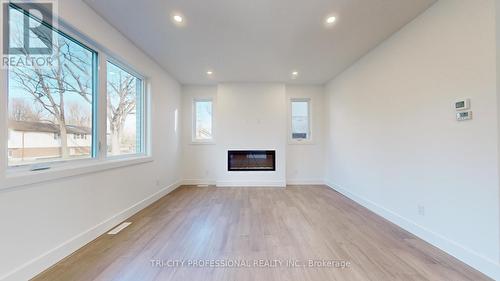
(475, 260)
(251, 183)
(199, 182)
(46, 260)
(305, 182)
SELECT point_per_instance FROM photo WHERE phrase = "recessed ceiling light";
(178, 18)
(330, 20)
(295, 74)
(210, 72)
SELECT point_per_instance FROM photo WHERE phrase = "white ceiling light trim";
(178, 19)
(331, 20)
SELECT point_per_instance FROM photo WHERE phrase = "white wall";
(393, 141)
(305, 162)
(44, 222)
(252, 116)
(198, 159)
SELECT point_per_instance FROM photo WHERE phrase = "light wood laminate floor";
(267, 225)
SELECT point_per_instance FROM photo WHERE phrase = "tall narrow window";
(203, 120)
(50, 102)
(125, 112)
(300, 119)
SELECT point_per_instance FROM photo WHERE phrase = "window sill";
(303, 142)
(203, 143)
(20, 178)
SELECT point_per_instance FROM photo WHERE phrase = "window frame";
(195, 140)
(20, 175)
(309, 139)
(144, 101)
(62, 30)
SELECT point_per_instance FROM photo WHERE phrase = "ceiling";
(257, 40)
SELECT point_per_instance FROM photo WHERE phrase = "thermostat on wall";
(464, 115)
(462, 104)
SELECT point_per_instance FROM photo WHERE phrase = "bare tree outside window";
(22, 110)
(78, 116)
(43, 95)
(51, 106)
(124, 111)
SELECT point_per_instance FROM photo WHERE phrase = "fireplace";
(251, 160)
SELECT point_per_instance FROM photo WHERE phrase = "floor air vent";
(119, 228)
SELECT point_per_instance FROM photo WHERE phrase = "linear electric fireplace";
(251, 160)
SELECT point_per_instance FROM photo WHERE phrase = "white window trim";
(4, 155)
(15, 176)
(194, 140)
(24, 177)
(145, 128)
(310, 139)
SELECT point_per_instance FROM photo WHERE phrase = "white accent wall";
(253, 116)
(305, 160)
(395, 146)
(198, 158)
(44, 222)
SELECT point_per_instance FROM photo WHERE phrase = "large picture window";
(50, 107)
(68, 109)
(125, 96)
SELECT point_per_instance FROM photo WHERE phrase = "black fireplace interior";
(251, 160)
